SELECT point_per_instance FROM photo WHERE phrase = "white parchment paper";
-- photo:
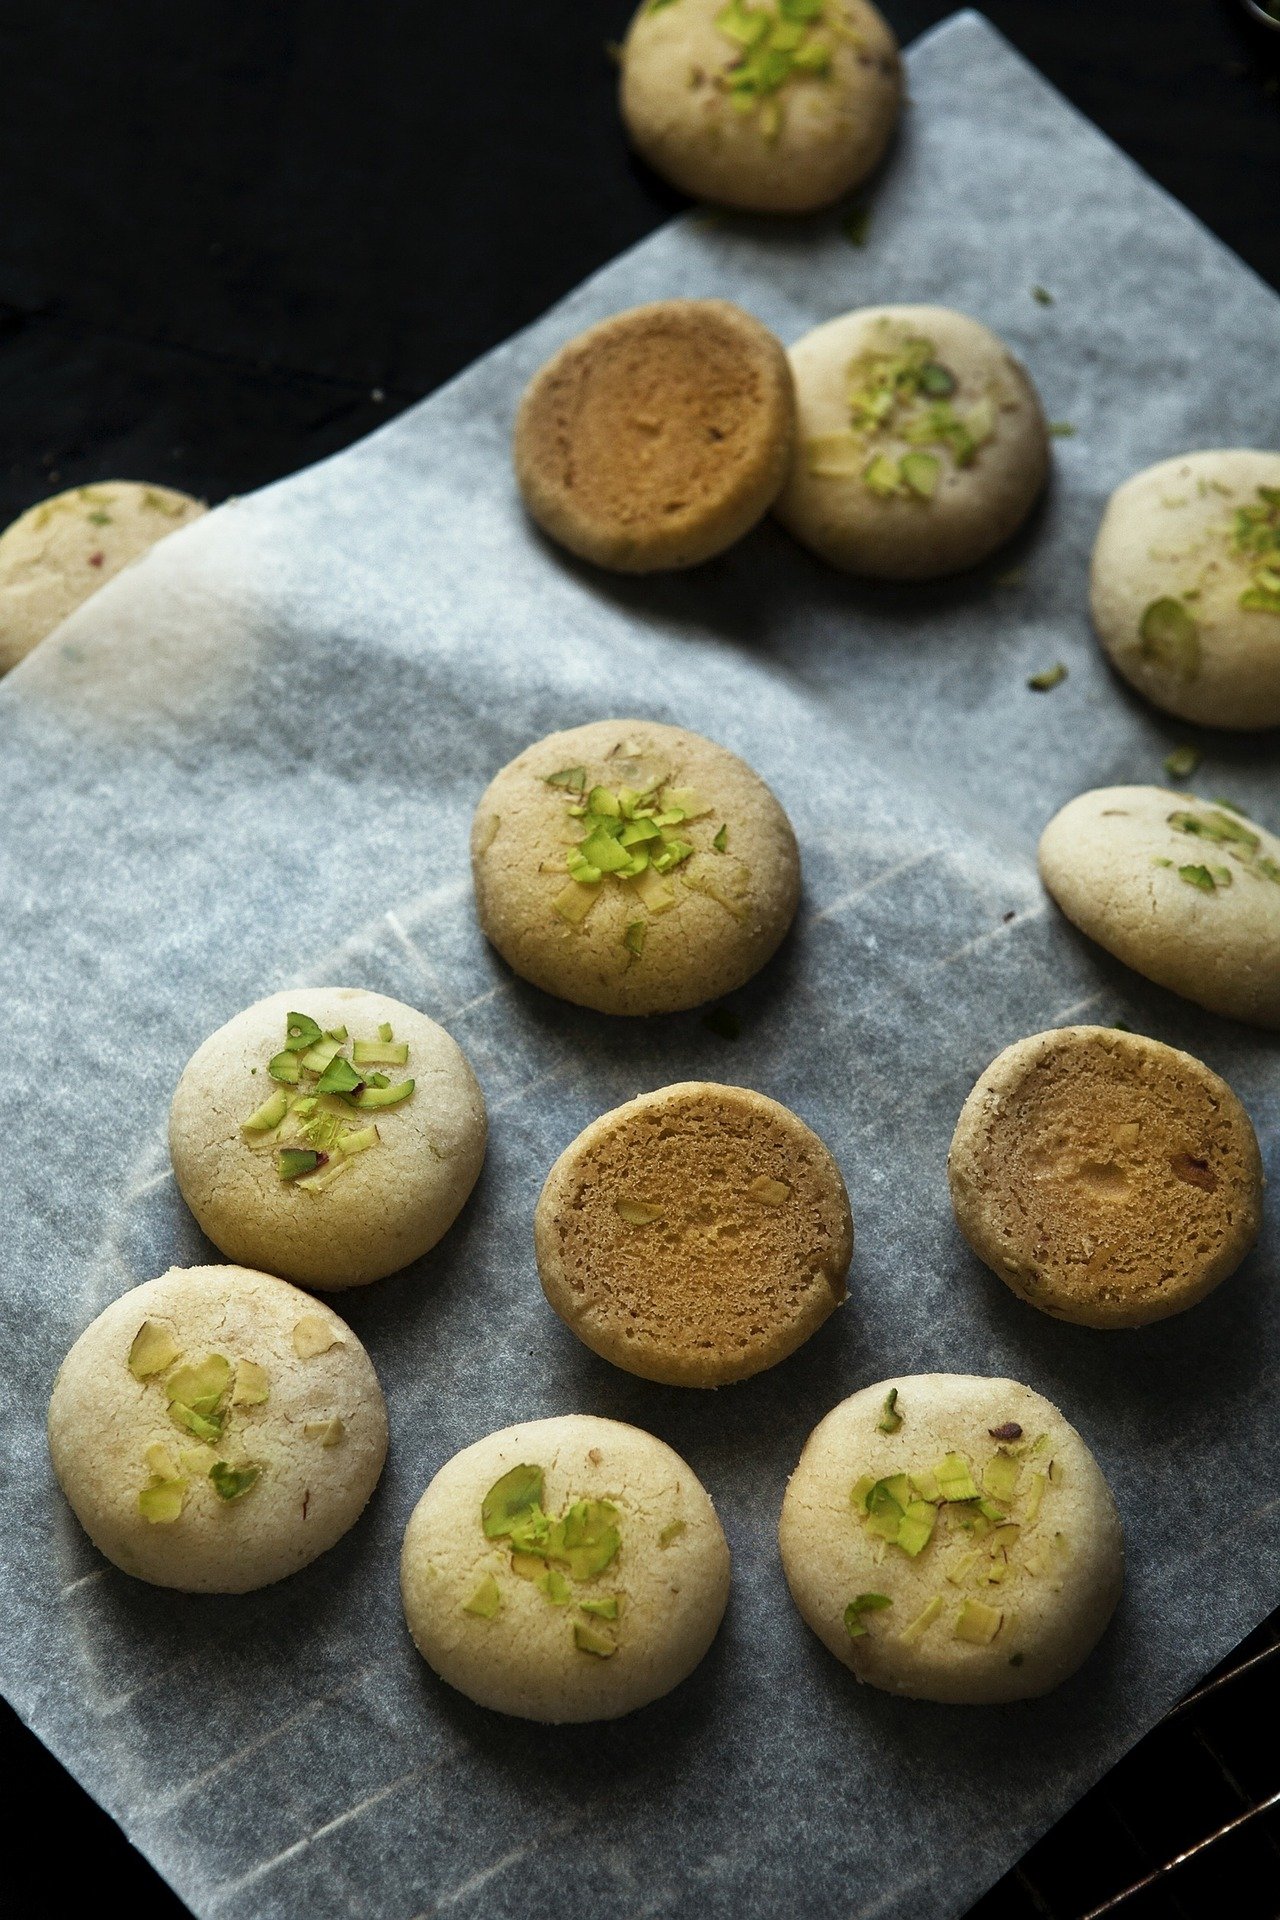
(251, 761)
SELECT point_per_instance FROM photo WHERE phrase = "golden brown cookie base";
(1108, 1179)
(696, 1235)
(659, 437)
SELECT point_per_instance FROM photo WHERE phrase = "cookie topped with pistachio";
(779, 106)
(951, 1538)
(62, 550)
(216, 1429)
(1185, 586)
(696, 1235)
(1184, 890)
(921, 444)
(328, 1134)
(564, 1569)
(1106, 1178)
(633, 867)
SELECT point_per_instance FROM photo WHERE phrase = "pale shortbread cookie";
(1186, 586)
(777, 107)
(921, 445)
(566, 1569)
(1108, 1179)
(658, 437)
(701, 873)
(61, 551)
(951, 1538)
(695, 1235)
(1185, 891)
(334, 1188)
(216, 1429)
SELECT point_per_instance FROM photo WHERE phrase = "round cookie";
(296, 1146)
(951, 1538)
(695, 1236)
(61, 551)
(566, 1569)
(659, 437)
(1185, 586)
(633, 867)
(215, 1430)
(1108, 1179)
(778, 108)
(1185, 891)
(921, 444)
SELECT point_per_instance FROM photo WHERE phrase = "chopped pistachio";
(672, 1531)
(553, 1586)
(654, 894)
(861, 1493)
(1000, 1476)
(301, 1032)
(589, 1639)
(1198, 876)
(232, 1483)
(161, 1462)
(152, 1350)
(633, 938)
(330, 1433)
(335, 1033)
(486, 1600)
(380, 1053)
(323, 1178)
(863, 1603)
(1048, 679)
(1060, 430)
(921, 472)
(200, 1388)
(1035, 1494)
(637, 1213)
(374, 1098)
(357, 1140)
(922, 1622)
(317, 1058)
(955, 1478)
(606, 1609)
(251, 1387)
(978, 1624)
(162, 1501)
(267, 1117)
(286, 1068)
(1170, 638)
(197, 1459)
(925, 1486)
(517, 1494)
(572, 778)
(591, 1541)
(890, 1419)
(767, 1192)
(721, 840)
(313, 1334)
(959, 1570)
(339, 1077)
(1216, 826)
(915, 1529)
(886, 1505)
(882, 477)
(1182, 762)
(293, 1162)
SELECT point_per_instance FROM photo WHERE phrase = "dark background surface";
(235, 236)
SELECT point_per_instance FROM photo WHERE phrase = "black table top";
(234, 238)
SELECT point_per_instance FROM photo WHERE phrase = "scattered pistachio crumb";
(232, 1483)
(1042, 296)
(1182, 762)
(1050, 677)
(721, 840)
(486, 1600)
(251, 1385)
(328, 1432)
(672, 1531)
(863, 1603)
(153, 1349)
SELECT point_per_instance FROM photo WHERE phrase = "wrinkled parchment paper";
(251, 762)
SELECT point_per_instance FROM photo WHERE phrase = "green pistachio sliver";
(372, 1098)
(863, 1603)
(516, 1495)
(232, 1483)
(286, 1068)
(1047, 680)
(301, 1032)
(293, 1162)
(317, 1058)
(573, 779)
(380, 1053)
(1181, 762)
(881, 476)
(890, 1419)
(339, 1077)
(633, 938)
(162, 1501)
(357, 1140)
(267, 1117)
(591, 1639)
(1214, 825)
(672, 1531)
(1169, 638)
(921, 472)
(335, 1033)
(486, 1600)
(721, 840)
(153, 1349)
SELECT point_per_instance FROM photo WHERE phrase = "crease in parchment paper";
(251, 762)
